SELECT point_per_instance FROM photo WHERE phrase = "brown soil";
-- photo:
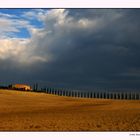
(28, 111)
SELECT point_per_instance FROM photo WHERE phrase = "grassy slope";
(38, 111)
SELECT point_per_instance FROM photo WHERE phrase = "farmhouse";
(21, 87)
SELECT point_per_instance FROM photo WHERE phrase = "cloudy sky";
(73, 48)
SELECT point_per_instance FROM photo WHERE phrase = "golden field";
(28, 111)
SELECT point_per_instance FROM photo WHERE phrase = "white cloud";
(19, 50)
(7, 15)
(10, 48)
(37, 14)
(56, 35)
(9, 26)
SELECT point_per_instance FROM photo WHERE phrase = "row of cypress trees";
(93, 94)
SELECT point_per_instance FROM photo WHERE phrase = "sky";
(70, 48)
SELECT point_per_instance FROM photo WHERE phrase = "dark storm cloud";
(86, 48)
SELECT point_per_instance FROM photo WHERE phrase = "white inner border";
(69, 135)
(69, 3)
